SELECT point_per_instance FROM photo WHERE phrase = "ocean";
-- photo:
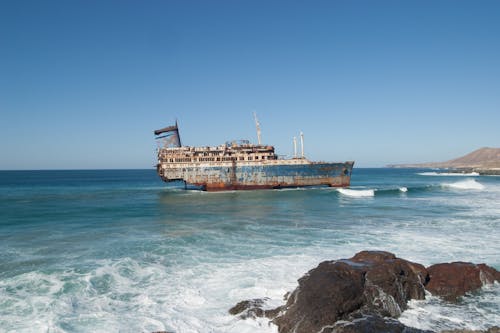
(121, 251)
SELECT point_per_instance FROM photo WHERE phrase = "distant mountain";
(483, 158)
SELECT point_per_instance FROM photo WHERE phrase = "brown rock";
(372, 282)
(325, 295)
(353, 295)
(494, 329)
(371, 324)
(253, 308)
(401, 279)
(452, 280)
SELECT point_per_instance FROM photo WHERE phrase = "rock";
(248, 308)
(494, 329)
(390, 276)
(453, 280)
(371, 324)
(372, 282)
(363, 293)
(253, 308)
(326, 294)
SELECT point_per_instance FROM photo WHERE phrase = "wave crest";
(468, 184)
(433, 173)
(357, 193)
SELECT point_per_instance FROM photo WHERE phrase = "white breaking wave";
(357, 193)
(436, 314)
(468, 184)
(433, 173)
(403, 189)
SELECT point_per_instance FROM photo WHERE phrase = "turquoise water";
(120, 251)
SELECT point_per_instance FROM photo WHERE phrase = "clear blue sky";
(83, 84)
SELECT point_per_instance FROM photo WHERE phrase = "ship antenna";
(302, 143)
(257, 125)
(294, 147)
(178, 135)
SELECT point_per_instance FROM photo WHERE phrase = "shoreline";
(480, 170)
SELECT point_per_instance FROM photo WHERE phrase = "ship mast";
(257, 125)
(302, 143)
(294, 147)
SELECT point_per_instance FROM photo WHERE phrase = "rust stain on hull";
(263, 175)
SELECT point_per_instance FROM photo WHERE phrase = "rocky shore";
(480, 171)
(367, 293)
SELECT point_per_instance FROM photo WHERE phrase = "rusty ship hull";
(242, 166)
(267, 174)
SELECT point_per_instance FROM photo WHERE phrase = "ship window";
(241, 158)
(218, 158)
(250, 158)
(256, 157)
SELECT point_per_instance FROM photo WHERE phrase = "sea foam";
(433, 173)
(468, 184)
(357, 193)
(436, 314)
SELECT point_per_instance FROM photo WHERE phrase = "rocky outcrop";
(494, 329)
(363, 293)
(368, 283)
(369, 323)
(253, 308)
(452, 280)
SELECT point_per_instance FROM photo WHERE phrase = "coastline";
(481, 171)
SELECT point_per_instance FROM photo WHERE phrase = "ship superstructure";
(240, 165)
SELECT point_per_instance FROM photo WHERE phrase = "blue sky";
(83, 84)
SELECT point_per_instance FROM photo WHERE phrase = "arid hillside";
(483, 158)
